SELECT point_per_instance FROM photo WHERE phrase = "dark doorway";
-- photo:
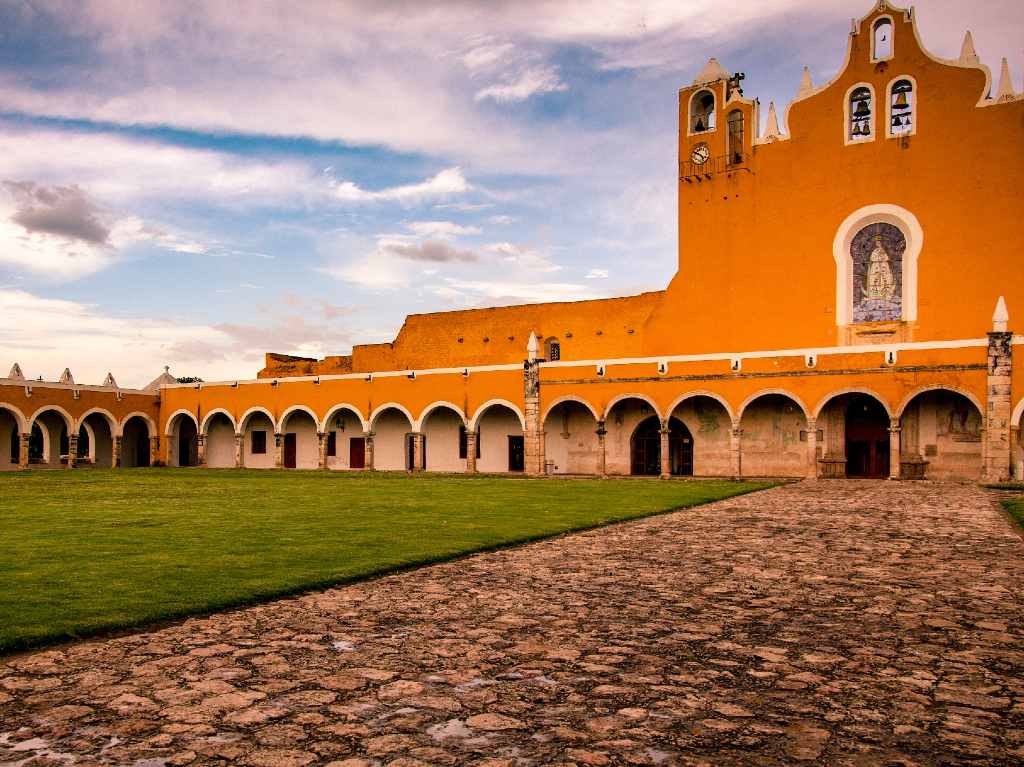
(289, 450)
(645, 448)
(410, 452)
(35, 445)
(15, 446)
(188, 442)
(357, 453)
(867, 439)
(83, 444)
(135, 444)
(516, 454)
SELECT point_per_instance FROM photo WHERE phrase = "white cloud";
(597, 274)
(478, 292)
(447, 183)
(529, 82)
(446, 229)
(502, 220)
(521, 257)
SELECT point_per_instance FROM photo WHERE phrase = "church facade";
(840, 309)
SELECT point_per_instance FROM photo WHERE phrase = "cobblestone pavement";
(841, 623)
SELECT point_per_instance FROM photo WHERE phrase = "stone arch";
(243, 422)
(941, 387)
(17, 415)
(283, 420)
(12, 426)
(781, 392)
(851, 390)
(390, 406)
(55, 425)
(623, 397)
(335, 409)
(773, 433)
(708, 417)
(137, 430)
(180, 412)
(150, 423)
(444, 443)
(1018, 414)
(182, 432)
(426, 412)
(570, 398)
(391, 425)
(701, 393)
(474, 422)
(213, 413)
(622, 415)
(257, 453)
(112, 422)
(69, 421)
(86, 446)
(941, 434)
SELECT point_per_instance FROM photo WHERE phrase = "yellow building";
(839, 309)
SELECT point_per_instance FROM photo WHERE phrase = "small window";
(881, 41)
(702, 112)
(901, 108)
(464, 443)
(861, 123)
(552, 350)
(332, 444)
(735, 137)
(258, 442)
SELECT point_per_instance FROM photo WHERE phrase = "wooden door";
(357, 453)
(289, 450)
(516, 454)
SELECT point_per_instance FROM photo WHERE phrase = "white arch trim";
(92, 440)
(708, 88)
(622, 397)
(243, 422)
(68, 420)
(701, 393)
(18, 416)
(913, 106)
(218, 411)
(570, 398)
(150, 423)
(112, 422)
(390, 406)
(852, 390)
(474, 422)
(279, 427)
(903, 220)
(338, 408)
(429, 409)
(757, 395)
(174, 415)
(940, 387)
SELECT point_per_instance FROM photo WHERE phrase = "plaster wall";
(442, 435)
(710, 427)
(345, 424)
(570, 439)
(389, 440)
(620, 425)
(496, 426)
(258, 422)
(220, 444)
(770, 444)
(8, 427)
(307, 446)
(948, 435)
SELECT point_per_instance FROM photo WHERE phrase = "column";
(368, 452)
(115, 461)
(895, 432)
(321, 438)
(239, 447)
(666, 457)
(23, 451)
(812, 448)
(736, 449)
(998, 409)
(1014, 440)
(72, 450)
(602, 454)
(154, 451)
(418, 463)
(533, 433)
(278, 451)
(200, 449)
(471, 438)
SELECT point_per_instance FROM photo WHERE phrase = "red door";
(357, 453)
(289, 450)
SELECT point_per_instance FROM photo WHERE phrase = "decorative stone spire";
(1000, 317)
(16, 373)
(109, 380)
(806, 86)
(66, 377)
(772, 133)
(532, 347)
(711, 72)
(968, 56)
(1005, 92)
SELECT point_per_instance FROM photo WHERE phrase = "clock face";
(700, 154)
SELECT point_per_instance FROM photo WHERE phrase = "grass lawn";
(89, 550)
(1016, 508)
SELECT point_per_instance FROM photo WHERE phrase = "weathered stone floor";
(839, 622)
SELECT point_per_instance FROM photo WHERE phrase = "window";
(464, 443)
(735, 137)
(332, 444)
(901, 108)
(258, 442)
(702, 112)
(860, 114)
(552, 350)
(881, 40)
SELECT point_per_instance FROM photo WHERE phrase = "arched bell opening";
(183, 441)
(135, 443)
(710, 425)
(220, 442)
(444, 440)
(392, 443)
(941, 437)
(645, 448)
(773, 431)
(571, 444)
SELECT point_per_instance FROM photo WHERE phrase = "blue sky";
(195, 183)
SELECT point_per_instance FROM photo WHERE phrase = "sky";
(195, 182)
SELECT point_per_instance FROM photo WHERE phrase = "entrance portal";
(645, 448)
(867, 439)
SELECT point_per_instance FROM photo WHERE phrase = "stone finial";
(806, 86)
(66, 377)
(109, 380)
(16, 373)
(1000, 317)
(532, 347)
(969, 56)
(711, 72)
(1005, 92)
(772, 133)
(164, 379)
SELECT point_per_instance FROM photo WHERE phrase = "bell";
(699, 127)
(901, 101)
(856, 129)
(896, 121)
(863, 110)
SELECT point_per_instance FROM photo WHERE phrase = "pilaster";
(812, 448)
(321, 439)
(116, 458)
(418, 463)
(200, 450)
(895, 449)
(736, 449)
(368, 450)
(239, 448)
(23, 451)
(72, 450)
(278, 451)
(602, 455)
(154, 451)
(665, 450)
(533, 433)
(471, 437)
(998, 408)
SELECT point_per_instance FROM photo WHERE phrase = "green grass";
(89, 551)
(1015, 506)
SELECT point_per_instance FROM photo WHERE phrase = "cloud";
(444, 229)
(502, 220)
(522, 257)
(497, 292)
(64, 211)
(597, 274)
(430, 250)
(447, 183)
(522, 85)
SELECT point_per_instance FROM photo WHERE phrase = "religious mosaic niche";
(877, 253)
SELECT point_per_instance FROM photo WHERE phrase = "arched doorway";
(867, 438)
(645, 448)
(571, 444)
(500, 440)
(219, 441)
(711, 425)
(391, 428)
(774, 432)
(444, 441)
(48, 439)
(134, 443)
(10, 439)
(941, 437)
(183, 445)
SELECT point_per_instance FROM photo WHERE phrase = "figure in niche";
(877, 255)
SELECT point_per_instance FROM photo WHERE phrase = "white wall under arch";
(303, 425)
(820, 407)
(571, 445)
(474, 422)
(257, 419)
(390, 425)
(495, 425)
(282, 422)
(623, 397)
(425, 414)
(220, 440)
(441, 427)
(334, 410)
(212, 414)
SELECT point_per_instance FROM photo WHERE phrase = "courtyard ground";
(89, 550)
(839, 623)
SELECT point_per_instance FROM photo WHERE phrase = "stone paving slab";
(840, 623)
